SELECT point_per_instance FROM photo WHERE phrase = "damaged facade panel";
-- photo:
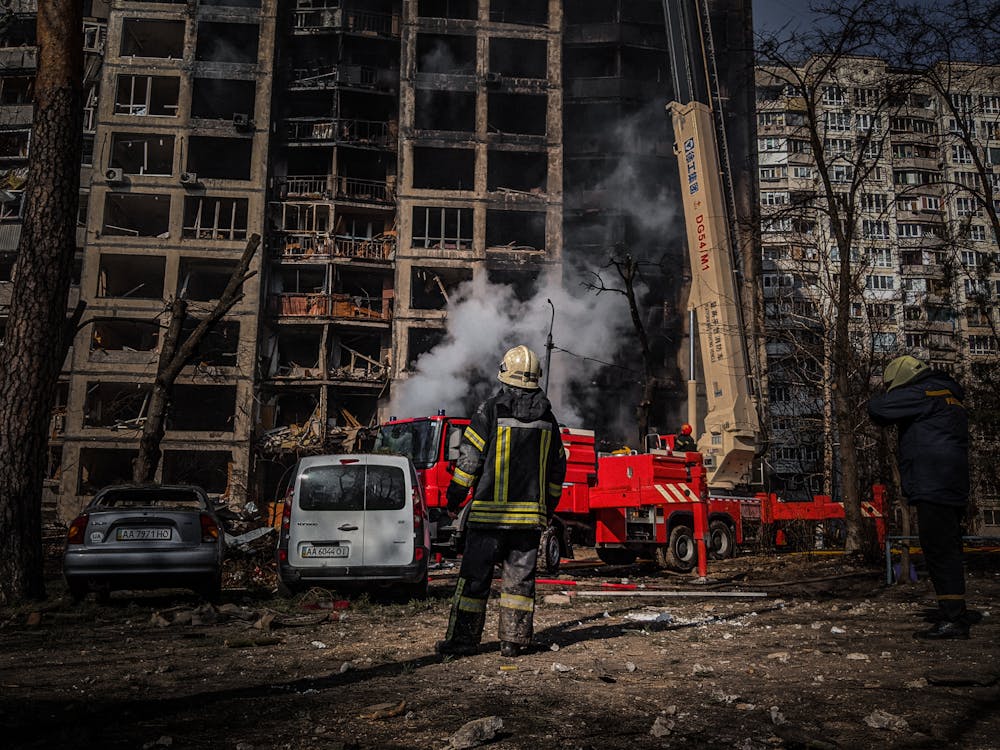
(223, 99)
(444, 168)
(135, 276)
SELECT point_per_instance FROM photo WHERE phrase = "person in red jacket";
(512, 457)
(926, 407)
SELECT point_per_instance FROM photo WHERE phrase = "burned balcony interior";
(220, 42)
(441, 228)
(122, 340)
(518, 58)
(146, 37)
(137, 215)
(515, 231)
(215, 218)
(119, 406)
(219, 158)
(322, 352)
(223, 99)
(432, 288)
(142, 153)
(326, 291)
(464, 10)
(420, 340)
(203, 279)
(208, 469)
(294, 352)
(444, 168)
(517, 114)
(517, 171)
(147, 95)
(135, 276)
(447, 111)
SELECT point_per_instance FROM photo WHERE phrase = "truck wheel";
(681, 553)
(616, 555)
(721, 541)
(549, 553)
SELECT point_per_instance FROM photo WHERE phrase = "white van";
(354, 519)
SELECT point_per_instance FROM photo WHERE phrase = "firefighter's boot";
(465, 627)
(945, 630)
(512, 650)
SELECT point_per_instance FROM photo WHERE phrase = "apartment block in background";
(180, 145)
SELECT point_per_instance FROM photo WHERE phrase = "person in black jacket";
(926, 407)
(513, 459)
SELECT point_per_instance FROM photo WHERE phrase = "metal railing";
(302, 246)
(327, 76)
(342, 130)
(365, 191)
(337, 306)
(351, 21)
(306, 186)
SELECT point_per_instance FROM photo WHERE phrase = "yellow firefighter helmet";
(520, 367)
(902, 370)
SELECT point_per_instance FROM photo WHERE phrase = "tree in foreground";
(34, 345)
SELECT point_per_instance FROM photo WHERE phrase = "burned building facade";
(387, 151)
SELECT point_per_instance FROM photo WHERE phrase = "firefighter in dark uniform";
(513, 459)
(926, 407)
(683, 440)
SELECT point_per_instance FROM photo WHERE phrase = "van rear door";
(388, 512)
(328, 518)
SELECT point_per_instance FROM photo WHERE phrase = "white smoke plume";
(486, 319)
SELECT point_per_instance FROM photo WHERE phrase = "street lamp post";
(549, 345)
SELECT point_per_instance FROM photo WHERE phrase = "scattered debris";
(650, 617)
(34, 620)
(630, 666)
(557, 667)
(318, 644)
(920, 682)
(837, 631)
(777, 718)
(662, 726)
(251, 642)
(782, 656)
(858, 657)
(383, 710)
(475, 733)
(556, 599)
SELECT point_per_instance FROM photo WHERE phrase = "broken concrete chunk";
(159, 620)
(920, 682)
(879, 719)
(556, 599)
(630, 666)
(475, 733)
(777, 718)
(662, 726)
(383, 710)
(782, 656)
(857, 657)
(557, 667)
(318, 644)
(837, 631)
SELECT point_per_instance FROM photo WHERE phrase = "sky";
(771, 15)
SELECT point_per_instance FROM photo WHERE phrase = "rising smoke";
(485, 319)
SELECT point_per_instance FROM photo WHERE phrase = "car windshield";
(420, 440)
(150, 497)
(352, 487)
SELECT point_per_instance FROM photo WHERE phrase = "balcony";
(327, 187)
(305, 246)
(336, 306)
(16, 115)
(350, 131)
(333, 76)
(335, 19)
(18, 59)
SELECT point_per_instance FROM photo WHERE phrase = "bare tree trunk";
(144, 468)
(174, 356)
(33, 348)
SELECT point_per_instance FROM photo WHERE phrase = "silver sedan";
(145, 537)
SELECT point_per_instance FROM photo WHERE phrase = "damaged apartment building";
(387, 151)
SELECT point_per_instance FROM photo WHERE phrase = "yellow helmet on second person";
(902, 370)
(520, 367)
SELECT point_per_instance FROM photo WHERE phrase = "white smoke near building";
(486, 319)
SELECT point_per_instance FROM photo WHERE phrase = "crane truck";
(675, 507)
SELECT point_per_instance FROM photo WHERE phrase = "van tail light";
(76, 529)
(418, 511)
(418, 553)
(282, 554)
(209, 528)
(286, 514)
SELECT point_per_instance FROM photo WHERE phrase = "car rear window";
(150, 498)
(352, 487)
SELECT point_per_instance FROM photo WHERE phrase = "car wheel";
(549, 553)
(721, 541)
(681, 554)
(616, 555)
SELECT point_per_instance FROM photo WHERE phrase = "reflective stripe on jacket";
(512, 455)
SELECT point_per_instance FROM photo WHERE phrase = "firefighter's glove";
(456, 496)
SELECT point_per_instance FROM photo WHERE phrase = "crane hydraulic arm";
(731, 427)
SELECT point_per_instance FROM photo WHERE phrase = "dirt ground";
(824, 660)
